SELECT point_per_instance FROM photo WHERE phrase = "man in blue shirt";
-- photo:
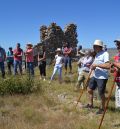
(100, 76)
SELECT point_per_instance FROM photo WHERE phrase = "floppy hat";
(98, 43)
(82, 52)
(58, 49)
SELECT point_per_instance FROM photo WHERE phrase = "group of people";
(96, 61)
(13, 59)
(98, 65)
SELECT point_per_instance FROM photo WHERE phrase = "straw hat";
(82, 52)
(58, 50)
(98, 43)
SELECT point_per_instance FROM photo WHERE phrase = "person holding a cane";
(116, 69)
(100, 76)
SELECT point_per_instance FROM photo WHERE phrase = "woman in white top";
(58, 65)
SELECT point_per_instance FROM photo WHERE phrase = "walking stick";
(86, 84)
(107, 102)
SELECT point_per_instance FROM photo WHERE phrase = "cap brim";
(81, 53)
(116, 40)
(98, 45)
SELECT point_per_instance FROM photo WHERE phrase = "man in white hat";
(116, 70)
(100, 76)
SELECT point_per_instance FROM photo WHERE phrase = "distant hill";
(112, 52)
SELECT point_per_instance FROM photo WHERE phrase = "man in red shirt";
(18, 53)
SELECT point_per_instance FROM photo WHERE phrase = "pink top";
(117, 73)
(18, 54)
(67, 51)
(29, 55)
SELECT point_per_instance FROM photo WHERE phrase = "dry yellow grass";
(45, 110)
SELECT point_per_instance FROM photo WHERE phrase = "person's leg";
(101, 90)
(15, 66)
(20, 66)
(79, 82)
(60, 74)
(92, 86)
(54, 72)
(70, 64)
(2, 69)
(40, 69)
(28, 68)
(44, 70)
(9, 67)
(31, 68)
(65, 62)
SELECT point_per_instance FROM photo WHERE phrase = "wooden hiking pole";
(86, 84)
(107, 102)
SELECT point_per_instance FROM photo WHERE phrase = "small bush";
(18, 85)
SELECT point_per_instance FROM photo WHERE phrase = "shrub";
(18, 85)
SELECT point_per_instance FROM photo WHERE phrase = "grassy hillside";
(53, 107)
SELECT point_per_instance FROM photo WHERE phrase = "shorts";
(98, 83)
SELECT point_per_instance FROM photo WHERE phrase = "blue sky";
(20, 20)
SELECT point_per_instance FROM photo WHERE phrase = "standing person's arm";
(116, 64)
(105, 65)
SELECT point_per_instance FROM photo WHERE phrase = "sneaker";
(40, 78)
(100, 111)
(44, 79)
(88, 106)
(49, 82)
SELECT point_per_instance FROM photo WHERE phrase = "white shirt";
(101, 58)
(59, 60)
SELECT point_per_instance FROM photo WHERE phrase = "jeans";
(9, 65)
(58, 69)
(2, 68)
(30, 68)
(68, 60)
(16, 64)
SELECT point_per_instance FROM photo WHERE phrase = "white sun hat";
(58, 49)
(82, 52)
(98, 43)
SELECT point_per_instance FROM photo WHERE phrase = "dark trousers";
(2, 68)
(10, 65)
(42, 68)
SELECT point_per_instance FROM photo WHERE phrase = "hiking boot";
(89, 106)
(100, 111)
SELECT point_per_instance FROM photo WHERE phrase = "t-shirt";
(101, 58)
(59, 60)
(29, 56)
(117, 59)
(10, 56)
(2, 54)
(17, 53)
(66, 49)
(85, 62)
